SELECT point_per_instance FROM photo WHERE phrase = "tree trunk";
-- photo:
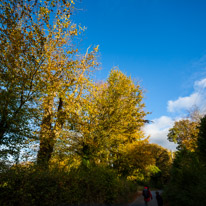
(49, 133)
(46, 135)
(3, 128)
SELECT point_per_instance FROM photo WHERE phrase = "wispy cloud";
(197, 98)
(200, 84)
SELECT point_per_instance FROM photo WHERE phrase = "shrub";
(30, 186)
(188, 181)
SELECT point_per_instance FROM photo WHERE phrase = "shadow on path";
(140, 200)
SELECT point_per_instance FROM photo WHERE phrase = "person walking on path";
(159, 199)
(147, 195)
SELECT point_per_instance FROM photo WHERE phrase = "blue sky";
(161, 43)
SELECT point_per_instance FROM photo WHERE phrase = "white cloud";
(184, 103)
(197, 98)
(158, 130)
(201, 84)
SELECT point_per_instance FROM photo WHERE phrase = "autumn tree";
(22, 53)
(42, 73)
(121, 114)
(145, 163)
(110, 117)
(184, 133)
(136, 161)
(115, 116)
(163, 161)
(66, 78)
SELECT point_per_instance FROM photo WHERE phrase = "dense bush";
(29, 186)
(188, 174)
(188, 181)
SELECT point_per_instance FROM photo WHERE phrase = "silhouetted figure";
(159, 199)
(147, 195)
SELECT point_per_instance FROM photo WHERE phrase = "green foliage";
(202, 140)
(26, 186)
(21, 51)
(188, 174)
(188, 181)
(163, 162)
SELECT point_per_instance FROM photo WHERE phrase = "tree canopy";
(89, 137)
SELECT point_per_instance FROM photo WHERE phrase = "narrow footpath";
(140, 200)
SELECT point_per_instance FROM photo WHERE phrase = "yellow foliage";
(185, 133)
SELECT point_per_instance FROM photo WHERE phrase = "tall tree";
(112, 117)
(42, 74)
(121, 113)
(61, 102)
(22, 53)
(201, 142)
(66, 78)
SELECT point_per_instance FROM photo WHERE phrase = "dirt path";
(140, 201)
